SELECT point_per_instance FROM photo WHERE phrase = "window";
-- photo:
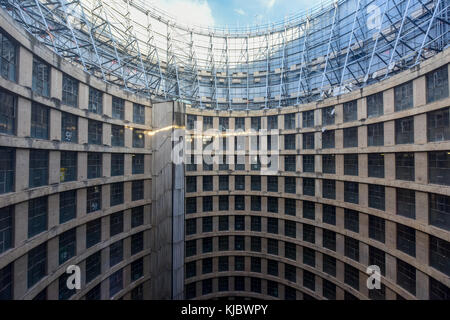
(139, 113)
(329, 214)
(351, 248)
(272, 183)
(6, 274)
(272, 204)
(329, 189)
(289, 185)
(207, 183)
(376, 197)
(115, 223)
(38, 168)
(329, 239)
(309, 257)
(290, 207)
(406, 276)
(255, 244)
(375, 105)
(37, 216)
(137, 269)
(67, 245)
(255, 163)
(255, 183)
(138, 138)
(377, 257)
(272, 246)
(351, 192)
(94, 293)
(95, 101)
(6, 230)
(329, 289)
(328, 115)
(239, 182)
(64, 292)
(351, 111)
(117, 164)
(351, 220)
(115, 283)
(69, 127)
(309, 280)
(190, 122)
(41, 77)
(68, 170)
(439, 211)
(255, 264)
(328, 139)
(440, 255)
(93, 266)
(375, 165)
(191, 226)
(290, 250)
(239, 243)
(95, 132)
(239, 263)
(191, 184)
(224, 183)
(223, 284)
(137, 217)
(137, 190)
(351, 137)
(207, 265)
(191, 205)
(375, 134)
(406, 239)
(329, 265)
(40, 116)
(223, 263)
(289, 163)
(70, 91)
(404, 130)
(329, 163)
(207, 123)
(308, 119)
(115, 253)
(308, 163)
(403, 96)
(406, 203)
(272, 225)
(437, 84)
(223, 203)
(309, 233)
(255, 223)
(117, 136)
(93, 232)
(8, 112)
(308, 140)
(438, 291)
(290, 272)
(207, 224)
(239, 203)
(95, 164)
(351, 164)
(438, 125)
(239, 283)
(8, 58)
(272, 122)
(239, 162)
(309, 210)
(118, 108)
(137, 243)
(223, 124)
(255, 123)
(439, 167)
(376, 228)
(191, 248)
(255, 203)
(272, 288)
(37, 264)
(351, 276)
(290, 229)
(7, 169)
(94, 199)
(138, 165)
(207, 245)
(191, 290)
(289, 121)
(239, 123)
(289, 142)
(223, 243)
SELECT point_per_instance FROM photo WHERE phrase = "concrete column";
(419, 91)
(106, 134)
(25, 72)
(128, 166)
(422, 247)
(389, 133)
(53, 254)
(81, 202)
(339, 139)
(23, 117)
(82, 130)
(81, 166)
(83, 96)
(128, 138)
(422, 207)
(391, 268)
(363, 194)
(22, 170)
(55, 125)
(55, 167)
(21, 223)
(389, 166)
(391, 203)
(106, 165)
(362, 137)
(420, 129)
(106, 196)
(107, 105)
(129, 111)
(20, 277)
(422, 285)
(388, 101)
(363, 165)
(421, 167)
(53, 211)
(56, 84)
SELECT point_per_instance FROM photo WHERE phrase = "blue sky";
(232, 12)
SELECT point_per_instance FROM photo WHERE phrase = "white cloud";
(268, 3)
(193, 12)
(240, 11)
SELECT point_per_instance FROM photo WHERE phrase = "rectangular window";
(289, 163)
(351, 248)
(351, 276)
(255, 183)
(37, 264)
(115, 253)
(272, 246)
(272, 225)
(309, 233)
(406, 203)
(207, 224)
(138, 113)
(406, 239)
(118, 108)
(207, 123)
(351, 137)
(115, 283)
(69, 127)
(224, 203)
(207, 245)
(439, 167)
(375, 105)
(7, 169)
(406, 276)
(239, 123)
(117, 136)
(67, 205)
(272, 267)
(137, 190)
(255, 203)
(223, 124)
(377, 197)
(41, 77)
(289, 141)
(375, 165)
(309, 280)
(223, 243)
(191, 248)
(329, 163)
(95, 101)
(437, 84)
(207, 183)
(255, 223)
(438, 291)
(329, 214)
(37, 216)
(117, 164)
(351, 220)
(272, 122)
(438, 125)
(290, 229)
(68, 170)
(309, 187)
(191, 205)
(329, 289)
(290, 272)
(404, 130)
(93, 232)
(93, 199)
(40, 117)
(289, 185)
(206, 265)
(272, 204)
(137, 243)
(328, 115)
(138, 163)
(403, 96)
(138, 138)
(308, 140)
(308, 119)
(289, 121)
(137, 216)
(239, 203)
(8, 113)
(93, 266)
(191, 184)
(329, 265)
(404, 166)
(290, 207)
(377, 228)
(351, 111)
(116, 194)
(190, 121)
(308, 163)
(223, 263)
(67, 245)
(95, 132)
(255, 123)
(440, 255)
(95, 164)
(6, 274)
(191, 226)
(224, 183)
(309, 257)
(351, 192)
(375, 134)
(8, 58)
(6, 231)
(377, 257)
(328, 139)
(329, 239)
(290, 251)
(70, 91)
(272, 183)
(255, 244)
(351, 164)
(239, 243)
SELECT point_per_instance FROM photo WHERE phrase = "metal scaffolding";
(330, 50)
